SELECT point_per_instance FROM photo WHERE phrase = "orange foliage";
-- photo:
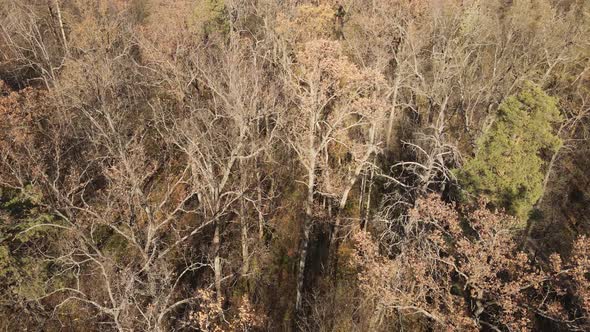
(469, 275)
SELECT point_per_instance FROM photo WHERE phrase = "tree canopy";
(264, 165)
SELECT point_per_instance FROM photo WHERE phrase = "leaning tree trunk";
(334, 238)
(530, 225)
(334, 243)
(61, 28)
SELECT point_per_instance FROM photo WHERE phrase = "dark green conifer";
(508, 167)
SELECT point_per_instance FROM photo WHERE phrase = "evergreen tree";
(508, 166)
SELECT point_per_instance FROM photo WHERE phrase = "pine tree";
(508, 166)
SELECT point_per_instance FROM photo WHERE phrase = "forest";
(294, 165)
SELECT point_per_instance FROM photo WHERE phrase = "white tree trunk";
(392, 114)
(306, 230)
(245, 249)
(217, 262)
(61, 28)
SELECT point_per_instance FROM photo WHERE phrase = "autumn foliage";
(262, 165)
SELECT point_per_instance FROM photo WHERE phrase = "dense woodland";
(284, 165)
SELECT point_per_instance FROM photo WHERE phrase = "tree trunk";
(334, 240)
(245, 250)
(217, 262)
(260, 214)
(61, 28)
(390, 123)
(548, 174)
(302, 262)
(368, 204)
(529, 228)
(306, 230)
